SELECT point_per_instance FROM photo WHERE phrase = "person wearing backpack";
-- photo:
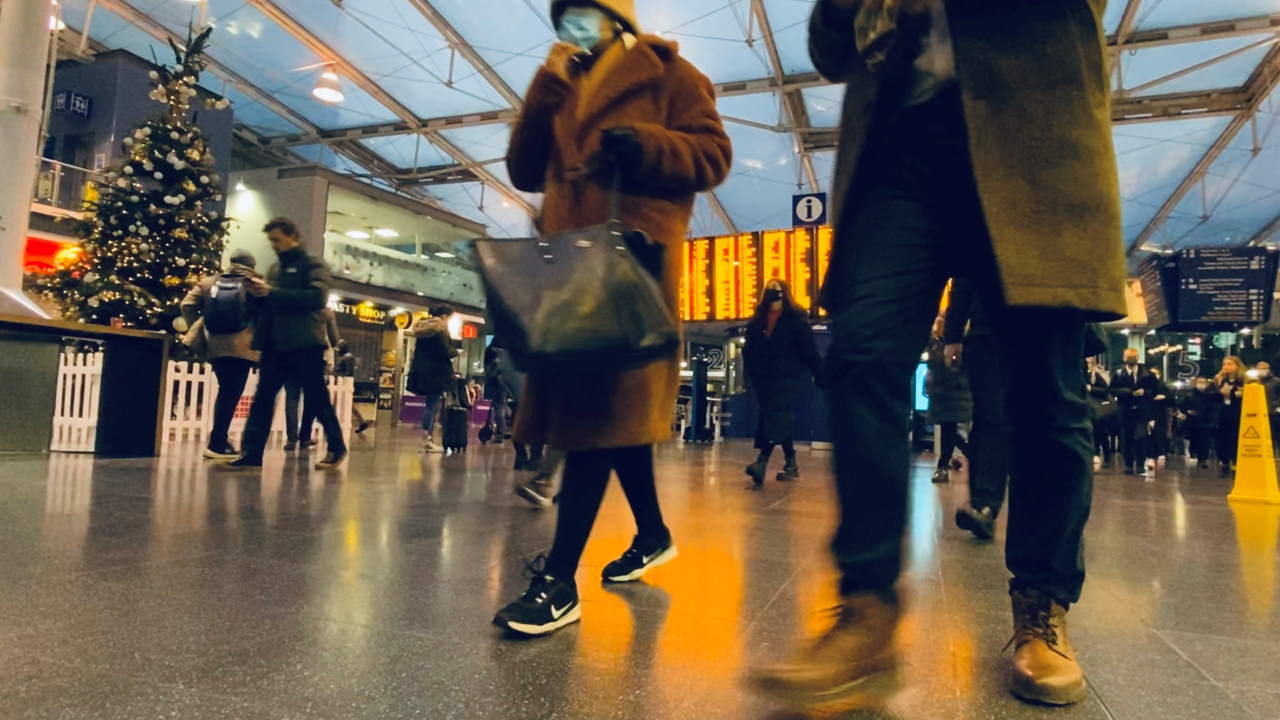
(219, 312)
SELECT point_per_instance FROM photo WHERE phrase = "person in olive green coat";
(975, 143)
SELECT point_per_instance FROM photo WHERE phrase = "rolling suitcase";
(456, 429)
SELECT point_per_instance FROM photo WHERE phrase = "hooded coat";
(431, 369)
(644, 85)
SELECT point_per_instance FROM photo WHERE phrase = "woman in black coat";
(431, 370)
(950, 402)
(780, 355)
(1230, 386)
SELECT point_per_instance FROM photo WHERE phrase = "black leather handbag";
(579, 300)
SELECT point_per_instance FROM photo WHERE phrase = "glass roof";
(401, 50)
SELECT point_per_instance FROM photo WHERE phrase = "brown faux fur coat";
(671, 106)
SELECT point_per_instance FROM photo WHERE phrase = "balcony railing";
(66, 187)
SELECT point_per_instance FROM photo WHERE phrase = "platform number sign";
(809, 210)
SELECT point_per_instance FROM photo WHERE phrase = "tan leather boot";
(1044, 665)
(855, 663)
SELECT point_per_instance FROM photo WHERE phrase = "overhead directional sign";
(809, 210)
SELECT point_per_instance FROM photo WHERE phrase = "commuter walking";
(1230, 386)
(780, 356)
(345, 364)
(1103, 411)
(290, 332)
(968, 133)
(609, 103)
(1158, 423)
(219, 311)
(431, 369)
(972, 350)
(1272, 385)
(1203, 409)
(498, 390)
(298, 433)
(950, 404)
(1133, 386)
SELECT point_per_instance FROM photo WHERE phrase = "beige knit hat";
(623, 10)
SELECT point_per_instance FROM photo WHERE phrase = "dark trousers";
(989, 438)
(1133, 438)
(232, 374)
(951, 440)
(1227, 439)
(1201, 442)
(292, 401)
(586, 476)
(306, 369)
(914, 220)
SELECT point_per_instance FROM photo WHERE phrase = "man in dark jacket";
(290, 332)
(969, 130)
(1133, 387)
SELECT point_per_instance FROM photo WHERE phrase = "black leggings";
(586, 475)
(950, 441)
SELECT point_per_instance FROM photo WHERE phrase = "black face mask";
(772, 296)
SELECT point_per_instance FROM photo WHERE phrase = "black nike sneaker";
(641, 557)
(548, 605)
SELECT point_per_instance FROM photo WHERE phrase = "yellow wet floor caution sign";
(1255, 460)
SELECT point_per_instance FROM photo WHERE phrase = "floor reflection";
(367, 593)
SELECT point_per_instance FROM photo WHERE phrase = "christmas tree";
(154, 230)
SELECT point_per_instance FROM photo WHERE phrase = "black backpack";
(226, 306)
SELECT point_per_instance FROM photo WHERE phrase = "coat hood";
(431, 326)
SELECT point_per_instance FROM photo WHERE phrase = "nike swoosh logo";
(647, 558)
(557, 613)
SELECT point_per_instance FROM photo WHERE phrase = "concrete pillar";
(24, 52)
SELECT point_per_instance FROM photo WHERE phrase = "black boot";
(757, 470)
(790, 471)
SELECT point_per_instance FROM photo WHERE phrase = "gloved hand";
(620, 152)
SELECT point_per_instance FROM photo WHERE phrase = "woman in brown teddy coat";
(609, 101)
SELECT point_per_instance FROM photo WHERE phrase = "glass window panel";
(403, 150)
(321, 154)
(790, 21)
(705, 222)
(249, 112)
(252, 45)
(824, 104)
(398, 49)
(758, 193)
(1145, 66)
(1241, 191)
(712, 35)
(1167, 13)
(1153, 159)
(757, 107)
(516, 52)
(481, 142)
(500, 215)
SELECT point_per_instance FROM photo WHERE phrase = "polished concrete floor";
(138, 589)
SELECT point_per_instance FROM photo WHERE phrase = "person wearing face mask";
(1133, 384)
(1229, 384)
(609, 109)
(1272, 385)
(780, 354)
(1202, 409)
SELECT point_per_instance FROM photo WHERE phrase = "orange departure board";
(723, 276)
(822, 259)
(735, 277)
(695, 291)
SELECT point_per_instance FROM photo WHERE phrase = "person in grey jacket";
(231, 354)
(290, 331)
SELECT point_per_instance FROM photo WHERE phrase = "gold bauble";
(171, 281)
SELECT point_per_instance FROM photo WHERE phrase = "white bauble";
(204, 179)
(128, 169)
(153, 75)
(158, 175)
(174, 135)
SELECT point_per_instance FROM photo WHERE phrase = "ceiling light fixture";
(357, 234)
(329, 88)
(446, 255)
(387, 233)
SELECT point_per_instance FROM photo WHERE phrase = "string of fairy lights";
(154, 230)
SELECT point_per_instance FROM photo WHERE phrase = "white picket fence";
(188, 410)
(75, 412)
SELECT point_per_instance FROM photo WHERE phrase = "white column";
(24, 50)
